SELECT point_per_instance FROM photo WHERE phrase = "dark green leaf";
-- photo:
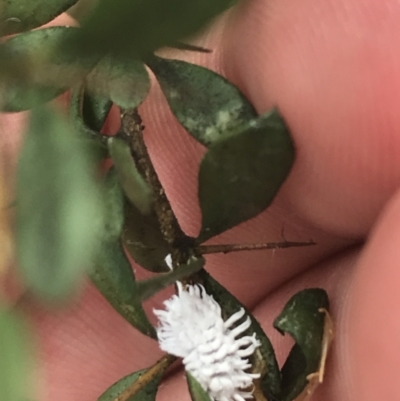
(124, 81)
(303, 319)
(197, 392)
(95, 109)
(142, 235)
(114, 277)
(89, 137)
(264, 360)
(59, 207)
(121, 26)
(240, 175)
(205, 103)
(14, 359)
(136, 188)
(144, 241)
(148, 393)
(149, 287)
(38, 68)
(22, 15)
(112, 273)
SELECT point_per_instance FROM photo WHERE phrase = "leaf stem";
(159, 368)
(226, 248)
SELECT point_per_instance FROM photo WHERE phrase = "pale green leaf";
(59, 208)
(36, 67)
(136, 189)
(15, 359)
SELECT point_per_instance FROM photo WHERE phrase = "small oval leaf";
(58, 207)
(197, 393)
(303, 317)
(114, 205)
(23, 15)
(114, 278)
(95, 109)
(204, 102)
(124, 81)
(136, 188)
(38, 67)
(89, 137)
(240, 175)
(112, 273)
(264, 360)
(149, 287)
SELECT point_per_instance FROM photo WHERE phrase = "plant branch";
(159, 368)
(226, 248)
(132, 132)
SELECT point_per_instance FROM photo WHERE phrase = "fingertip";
(374, 319)
(332, 69)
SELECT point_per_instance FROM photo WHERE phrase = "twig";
(159, 368)
(226, 248)
(132, 132)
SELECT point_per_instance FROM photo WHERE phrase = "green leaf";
(151, 286)
(141, 235)
(240, 175)
(303, 320)
(264, 360)
(95, 109)
(37, 68)
(124, 81)
(148, 393)
(15, 359)
(112, 273)
(114, 277)
(59, 207)
(136, 188)
(197, 392)
(122, 26)
(205, 103)
(23, 15)
(114, 203)
(144, 241)
(89, 137)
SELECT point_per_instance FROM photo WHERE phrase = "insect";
(213, 351)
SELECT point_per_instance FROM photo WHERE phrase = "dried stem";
(132, 132)
(159, 368)
(226, 248)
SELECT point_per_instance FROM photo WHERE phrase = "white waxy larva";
(191, 327)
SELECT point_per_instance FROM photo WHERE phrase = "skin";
(333, 69)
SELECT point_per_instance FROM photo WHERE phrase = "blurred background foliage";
(60, 213)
